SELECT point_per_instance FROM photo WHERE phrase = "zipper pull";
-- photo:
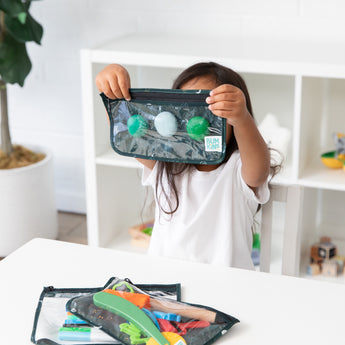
(128, 281)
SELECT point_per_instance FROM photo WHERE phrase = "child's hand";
(229, 102)
(114, 82)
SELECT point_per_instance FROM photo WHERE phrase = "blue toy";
(166, 124)
(167, 316)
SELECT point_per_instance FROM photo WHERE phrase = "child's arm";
(229, 102)
(114, 82)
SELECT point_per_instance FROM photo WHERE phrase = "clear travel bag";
(167, 125)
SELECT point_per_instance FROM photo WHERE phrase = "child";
(205, 212)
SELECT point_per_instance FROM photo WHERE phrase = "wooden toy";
(313, 269)
(314, 255)
(340, 260)
(330, 268)
(324, 250)
(327, 250)
(325, 239)
(183, 310)
(141, 234)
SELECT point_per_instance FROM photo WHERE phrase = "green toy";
(148, 230)
(197, 128)
(137, 126)
(133, 332)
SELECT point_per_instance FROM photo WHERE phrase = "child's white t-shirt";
(214, 219)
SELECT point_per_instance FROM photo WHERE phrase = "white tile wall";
(47, 111)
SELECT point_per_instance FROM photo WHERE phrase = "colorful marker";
(84, 334)
(75, 321)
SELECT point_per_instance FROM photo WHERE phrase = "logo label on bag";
(213, 144)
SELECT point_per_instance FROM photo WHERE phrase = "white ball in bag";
(166, 124)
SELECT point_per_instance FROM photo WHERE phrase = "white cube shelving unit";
(302, 83)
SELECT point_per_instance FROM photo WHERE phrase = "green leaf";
(22, 17)
(15, 63)
(12, 7)
(31, 30)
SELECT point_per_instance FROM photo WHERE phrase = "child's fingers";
(223, 105)
(102, 87)
(223, 88)
(124, 85)
(222, 113)
(114, 86)
(228, 96)
(105, 88)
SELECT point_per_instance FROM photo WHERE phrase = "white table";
(273, 309)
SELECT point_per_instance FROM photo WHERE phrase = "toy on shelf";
(324, 250)
(324, 259)
(330, 268)
(335, 159)
(314, 256)
(327, 250)
(313, 269)
(141, 234)
(340, 259)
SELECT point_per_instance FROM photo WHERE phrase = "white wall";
(47, 111)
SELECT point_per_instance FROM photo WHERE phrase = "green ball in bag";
(137, 126)
(197, 128)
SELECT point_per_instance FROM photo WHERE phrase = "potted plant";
(27, 193)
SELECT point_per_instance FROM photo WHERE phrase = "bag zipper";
(173, 95)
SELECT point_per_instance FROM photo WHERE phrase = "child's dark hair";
(221, 75)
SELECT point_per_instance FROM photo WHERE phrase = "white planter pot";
(27, 204)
